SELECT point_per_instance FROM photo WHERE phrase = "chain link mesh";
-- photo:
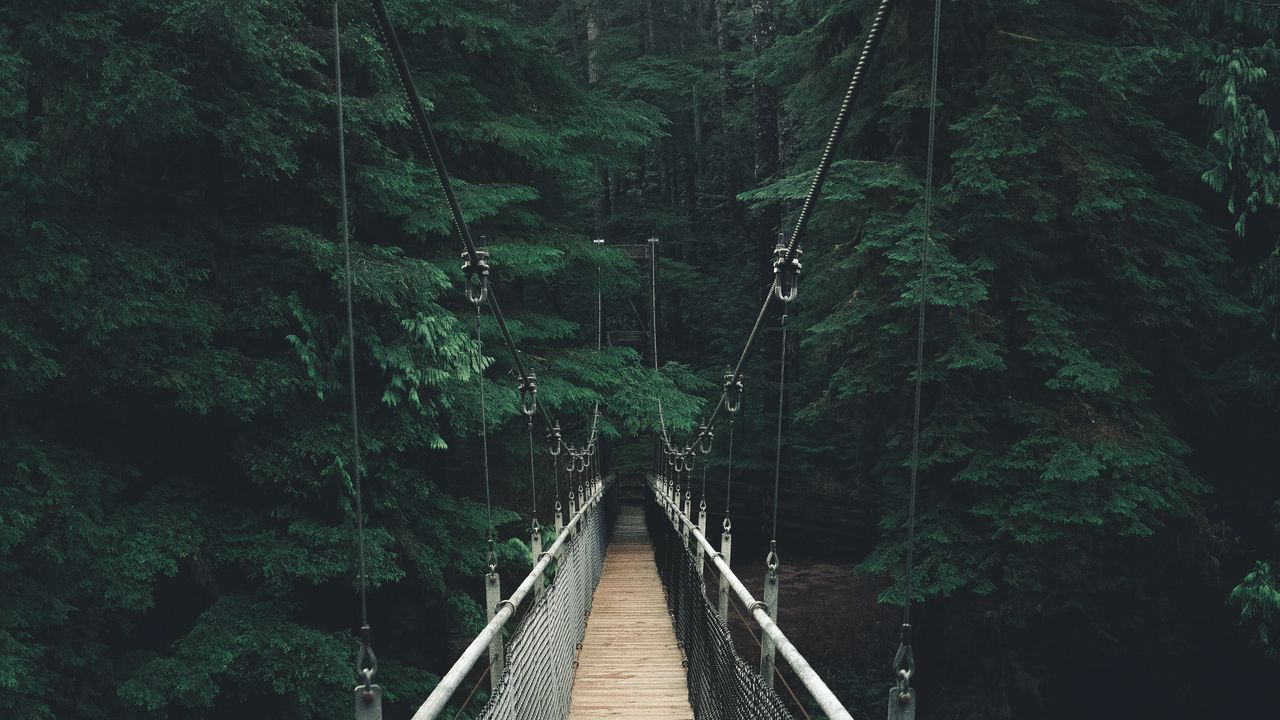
(538, 680)
(722, 686)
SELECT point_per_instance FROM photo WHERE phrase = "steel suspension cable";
(422, 124)
(819, 179)
(366, 642)
(905, 655)
(838, 128)
(426, 134)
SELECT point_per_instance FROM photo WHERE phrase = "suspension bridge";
(626, 613)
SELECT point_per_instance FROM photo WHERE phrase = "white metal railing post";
(726, 552)
(535, 551)
(767, 649)
(492, 599)
(500, 611)
(804, 672)
(688, 510)
(368, 702)
(702, 528)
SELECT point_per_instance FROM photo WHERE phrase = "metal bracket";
(368, 702)
(902, 703)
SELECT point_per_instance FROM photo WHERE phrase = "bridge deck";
(629, 666)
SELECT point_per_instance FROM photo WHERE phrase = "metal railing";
(667, 497)
(490, 636)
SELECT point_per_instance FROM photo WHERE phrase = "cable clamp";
(786, 272)
(904, 661)
(705, 437)
(529, 394)
(555, 439)
(476, 271)
(732, 392)
(367, 662)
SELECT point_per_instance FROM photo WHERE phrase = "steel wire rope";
(366, 641)
(426, 135)
(905, 654)
(472, 693)
(815, 187)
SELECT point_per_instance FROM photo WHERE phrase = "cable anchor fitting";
(904, 665)
(554, 439)
(786, 272)
(771, 560)
(529, 394)
(476, 271)
(706, 436)
(732, 392)
(367, 662)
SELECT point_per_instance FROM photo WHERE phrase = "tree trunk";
(765, 107)
(649, 42)
(602, 204)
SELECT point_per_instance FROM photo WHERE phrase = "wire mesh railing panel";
(722, 686)
(538, 680)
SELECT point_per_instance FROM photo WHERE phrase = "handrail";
(804, 672)
(448, 685)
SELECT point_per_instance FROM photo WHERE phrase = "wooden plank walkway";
(629, 666)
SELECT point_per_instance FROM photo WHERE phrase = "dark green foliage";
(1101, 380)
(177, 512)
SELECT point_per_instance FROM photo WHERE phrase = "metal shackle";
(705, 437)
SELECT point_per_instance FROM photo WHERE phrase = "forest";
(1097, 523)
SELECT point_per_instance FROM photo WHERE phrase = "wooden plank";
(630, 667)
